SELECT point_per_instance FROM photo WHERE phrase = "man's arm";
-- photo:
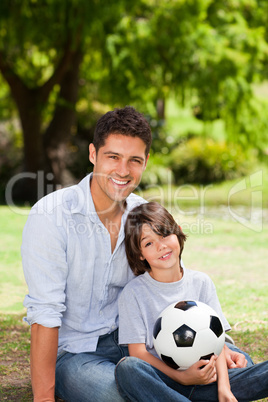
(44, 346)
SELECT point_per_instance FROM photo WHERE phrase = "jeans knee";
(126, 362)
(126, 375)
(127, 365)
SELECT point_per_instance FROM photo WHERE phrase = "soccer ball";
(186, 332)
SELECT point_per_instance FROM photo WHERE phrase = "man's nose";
(122, 169)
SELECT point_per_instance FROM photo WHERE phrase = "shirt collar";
(85, 204)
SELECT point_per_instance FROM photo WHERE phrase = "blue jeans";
(141, 382)
(86, 377)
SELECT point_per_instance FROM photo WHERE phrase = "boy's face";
(161, 253)
(118, 166)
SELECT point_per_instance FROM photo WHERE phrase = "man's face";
(118, 167)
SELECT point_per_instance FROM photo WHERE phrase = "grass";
(14, 356)
(234, 254)
(11, 275)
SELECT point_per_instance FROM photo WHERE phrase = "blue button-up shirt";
(74, 279)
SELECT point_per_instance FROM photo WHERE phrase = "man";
(75, 267)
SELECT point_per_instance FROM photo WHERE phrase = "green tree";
(42, 44)
(206, 53)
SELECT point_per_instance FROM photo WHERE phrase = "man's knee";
(126, 362)
(127, 365)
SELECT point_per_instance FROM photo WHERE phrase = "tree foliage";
(42, 46)
(208, 52)
(62, 59)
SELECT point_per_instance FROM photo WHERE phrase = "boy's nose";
(160, 245)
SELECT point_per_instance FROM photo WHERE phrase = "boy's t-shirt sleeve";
(131, 324)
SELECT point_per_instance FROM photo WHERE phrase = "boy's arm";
(193, 375)
(44, 346)
(224, 390)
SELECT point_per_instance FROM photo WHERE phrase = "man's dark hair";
(126, 121)
(160, 221)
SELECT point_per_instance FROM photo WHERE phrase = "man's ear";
(92, 153)
(146, 161)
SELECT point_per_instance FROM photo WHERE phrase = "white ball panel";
(198, 319)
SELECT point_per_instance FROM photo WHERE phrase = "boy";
(154, 244)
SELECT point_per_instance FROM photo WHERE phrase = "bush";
(157, 171)
(201, 160)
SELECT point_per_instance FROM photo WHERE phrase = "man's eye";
(136, 161)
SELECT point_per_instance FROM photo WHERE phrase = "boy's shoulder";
(135, 284)
(199, 275)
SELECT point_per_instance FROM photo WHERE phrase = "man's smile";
(120, 182)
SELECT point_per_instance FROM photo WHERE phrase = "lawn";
(227, 241)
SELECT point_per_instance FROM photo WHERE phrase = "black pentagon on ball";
(170, 362)
(157, 327)
(185, 305)
(184, 336)
(206, 357)
(215, 326)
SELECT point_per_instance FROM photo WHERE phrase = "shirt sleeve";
(131, 323)
(45, 269)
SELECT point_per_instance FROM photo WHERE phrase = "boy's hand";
(200, 373)
(226, 395)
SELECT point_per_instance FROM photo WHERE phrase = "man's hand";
(234, 359)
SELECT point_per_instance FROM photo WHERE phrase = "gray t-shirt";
(144, 298)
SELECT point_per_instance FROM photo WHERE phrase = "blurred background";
(198, 70)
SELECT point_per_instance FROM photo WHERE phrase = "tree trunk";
(34, 181)
(30, 116)
(58, 133)
(28, 186)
